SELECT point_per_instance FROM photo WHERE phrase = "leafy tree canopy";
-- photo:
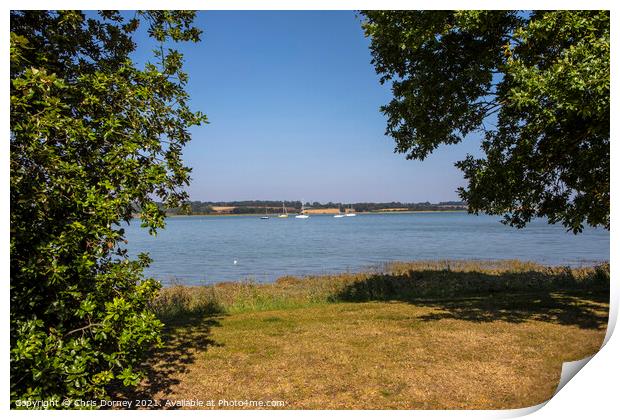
(92, 137)
(536, 84)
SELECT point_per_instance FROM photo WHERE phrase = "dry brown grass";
(332, 342)
(322, 211)
(223, 209)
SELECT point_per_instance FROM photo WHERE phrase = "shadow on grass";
(582, 309)
(555, 296)
(183, 338)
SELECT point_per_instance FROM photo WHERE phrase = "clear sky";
(293, 103)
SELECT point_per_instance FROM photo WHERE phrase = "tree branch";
(83, 328)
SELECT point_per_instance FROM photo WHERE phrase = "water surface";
(203, 249)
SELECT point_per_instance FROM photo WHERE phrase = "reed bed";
(398, 281)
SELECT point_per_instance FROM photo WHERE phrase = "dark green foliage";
(536, 84)
(92, 137)
(417, 284)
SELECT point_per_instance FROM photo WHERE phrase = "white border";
(592, 394)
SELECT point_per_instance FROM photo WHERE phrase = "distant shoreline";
(275, 215)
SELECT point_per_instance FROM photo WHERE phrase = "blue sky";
(293, 104)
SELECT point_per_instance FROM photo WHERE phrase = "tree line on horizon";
(275, 206)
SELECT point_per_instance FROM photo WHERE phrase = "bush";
(86, 153)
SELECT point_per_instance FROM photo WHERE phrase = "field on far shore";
(423, 335)
(319, 212)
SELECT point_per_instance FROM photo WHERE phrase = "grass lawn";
(391, 350)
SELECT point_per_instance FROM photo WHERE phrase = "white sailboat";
(351, 212)
(339, 215)
(284, 212)
(302, 215)
(265, 216)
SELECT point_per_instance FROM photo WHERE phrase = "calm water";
(199, 250)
